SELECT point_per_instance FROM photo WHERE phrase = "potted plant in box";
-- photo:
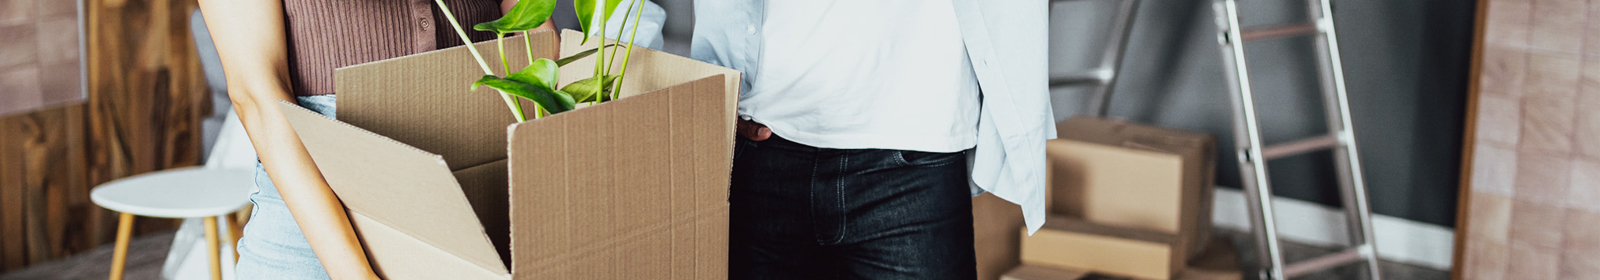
(538, 81)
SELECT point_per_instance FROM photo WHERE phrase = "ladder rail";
(1347, 159)
(1111, 59)
(1104, 76)
(1247, 143)
(1253, 156)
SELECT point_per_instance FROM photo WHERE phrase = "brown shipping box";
(994, 230)
(996, 221)
(441, 183)
(1072, 243)
(1138, 176)
(1219, 261)
(1034, 272)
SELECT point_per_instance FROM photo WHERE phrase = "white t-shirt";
(865, 74)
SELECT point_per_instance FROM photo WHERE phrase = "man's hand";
(753, 130)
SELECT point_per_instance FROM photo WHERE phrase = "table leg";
(212, 246)
(119, 257)
(235, 231)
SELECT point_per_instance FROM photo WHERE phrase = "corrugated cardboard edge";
(395, 185)
(426, 100)
(637, 82)
(561, 232)
(403, 257)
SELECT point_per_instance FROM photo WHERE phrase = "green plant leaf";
(535, 82)
(551, 100)
(575, 57)
(543, 72)
(584, 90)
(585, 10)
(526, 15)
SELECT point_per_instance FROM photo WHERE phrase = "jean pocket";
(738, 146)
(916, 158)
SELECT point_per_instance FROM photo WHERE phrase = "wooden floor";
(147, 253)
(1294, 252)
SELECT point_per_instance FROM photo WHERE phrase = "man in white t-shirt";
(861, 113)
(867, 126)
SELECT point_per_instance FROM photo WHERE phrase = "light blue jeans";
(272, 246)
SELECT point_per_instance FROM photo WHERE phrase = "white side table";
(178, 193)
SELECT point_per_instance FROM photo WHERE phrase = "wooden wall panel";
(145, 99)
(1530, 197)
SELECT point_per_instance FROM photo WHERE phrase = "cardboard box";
(996, 245)
(439, 187)
(1130, 175)
(1220, 261)
(1034, 272)
(1072, 243)
(996, 221)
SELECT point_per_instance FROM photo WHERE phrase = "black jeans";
(801, 212)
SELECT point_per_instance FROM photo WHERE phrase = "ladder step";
(1299, 147)
(1325, 262)
(1262, 33)
(1097, 76)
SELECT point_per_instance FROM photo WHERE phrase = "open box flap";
(402, 188)
(633, 186)
(426, 101)
(396, 255)
(650, 69)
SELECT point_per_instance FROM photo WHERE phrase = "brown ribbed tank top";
(328, 34)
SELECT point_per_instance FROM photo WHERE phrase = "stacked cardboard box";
(1077, 244)
(442, 184)
(1136, 176)
(1136, 194)
(1218, 261)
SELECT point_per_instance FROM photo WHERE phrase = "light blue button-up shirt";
(1007, 43)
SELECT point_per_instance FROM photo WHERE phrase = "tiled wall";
(38, 54)
(1535, 203)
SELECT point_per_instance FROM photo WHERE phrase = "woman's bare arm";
(250, 37)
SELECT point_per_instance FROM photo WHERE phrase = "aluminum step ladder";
(1253, 156)
(1104, 76)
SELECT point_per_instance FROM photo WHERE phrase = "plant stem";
(629, 55)
(516, 107)
(500, 40)
(464, 39)
(613, 61)
(513, 102)
(600, 56)
(528, 46)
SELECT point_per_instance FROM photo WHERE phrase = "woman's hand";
(252, 42)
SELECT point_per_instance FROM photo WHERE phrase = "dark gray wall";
(1405, 68)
